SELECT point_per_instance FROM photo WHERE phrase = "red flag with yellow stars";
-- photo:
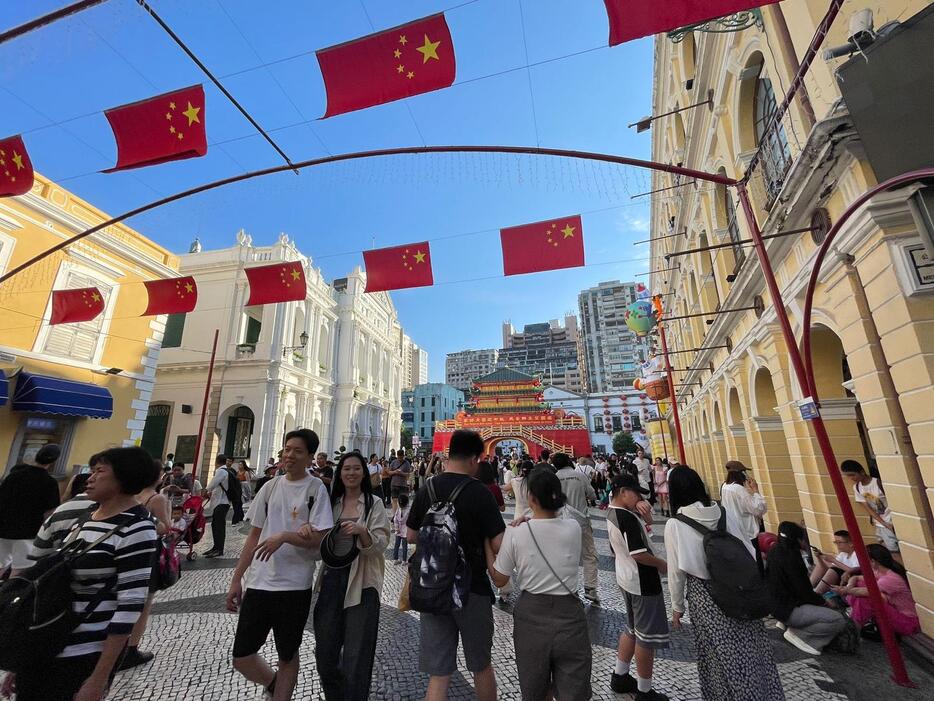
(399, 267)
(281, 282)
(547, 245)
(408, 60)
(71, 306)
(631, 19)
(16, 174)
(166, 128)
(172, 296)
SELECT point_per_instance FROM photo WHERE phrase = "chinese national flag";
(166, 128)
(398, 268)
(631, 19)
(172, 296)
(70, 306)
(409, 60)
(281, 282)
(16, 174)
(547, 245)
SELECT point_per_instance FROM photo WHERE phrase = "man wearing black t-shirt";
(27, 495)
(478, 520)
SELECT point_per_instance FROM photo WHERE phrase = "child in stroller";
(188, 523)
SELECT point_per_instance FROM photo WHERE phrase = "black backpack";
(735, 583)
(234, 491)
(36, 606)
(439, 573)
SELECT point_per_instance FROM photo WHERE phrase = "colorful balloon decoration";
(640, 317)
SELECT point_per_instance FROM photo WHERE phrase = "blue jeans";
(400, 541)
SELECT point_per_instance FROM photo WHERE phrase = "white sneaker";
(780, 625)
(792, 638)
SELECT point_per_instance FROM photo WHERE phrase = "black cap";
(328, 555)
(626, 481)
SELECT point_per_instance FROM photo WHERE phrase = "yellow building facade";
(873, 320)
(86, 385)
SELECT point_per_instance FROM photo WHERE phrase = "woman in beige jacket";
(346, 616)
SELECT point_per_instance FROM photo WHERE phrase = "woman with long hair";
(553, 653)
(161, 513)
(346, 616)
(519, 488)
(660, 477)
(893, 583)
(724, 645)
(810, 623)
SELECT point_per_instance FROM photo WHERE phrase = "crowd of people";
(320, 527)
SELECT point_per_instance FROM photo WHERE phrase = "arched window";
(771, 139)
(732, 226)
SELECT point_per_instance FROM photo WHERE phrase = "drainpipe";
(900, 425)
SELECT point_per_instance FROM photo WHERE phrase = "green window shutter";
(174, 328)
(253, 328)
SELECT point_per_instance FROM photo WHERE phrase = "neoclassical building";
(874, 309)
(331, 362)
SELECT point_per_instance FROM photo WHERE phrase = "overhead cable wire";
(272, 75)
(220, 86)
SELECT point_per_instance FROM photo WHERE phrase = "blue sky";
(264, 52)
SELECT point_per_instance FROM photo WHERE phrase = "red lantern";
(625, 411)
(606, 412)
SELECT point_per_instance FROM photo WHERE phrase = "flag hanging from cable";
(72, 306)
(173, 296)
(16, 175)
(398, 268)
(281, 282)
(549, 245)
(390, 65)
(632, 19)
(165, 128)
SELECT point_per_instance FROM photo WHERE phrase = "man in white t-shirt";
(278, 565)
(868, 492)
(831, 570)
(644, 467)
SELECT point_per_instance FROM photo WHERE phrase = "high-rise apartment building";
(463, 367)
(610, 352)
(414, 364)
(548, 349)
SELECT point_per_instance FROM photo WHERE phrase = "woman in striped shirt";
(119, 567)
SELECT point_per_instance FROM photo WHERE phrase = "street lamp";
(302, 343)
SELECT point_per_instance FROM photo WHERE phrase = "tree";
(623, 442)
(406, 438)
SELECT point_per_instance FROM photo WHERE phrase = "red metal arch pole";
(806, 383)
(671, 393)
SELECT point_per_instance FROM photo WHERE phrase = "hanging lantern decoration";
(606, 412)
(657, 389)
(640, 317)
(625, 411)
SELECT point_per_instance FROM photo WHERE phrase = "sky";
(529, 73)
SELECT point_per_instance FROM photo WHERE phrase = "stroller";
(193, 516)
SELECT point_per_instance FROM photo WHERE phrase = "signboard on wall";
(185, 449)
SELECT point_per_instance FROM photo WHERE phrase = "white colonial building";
(606, 414)
(331, 362)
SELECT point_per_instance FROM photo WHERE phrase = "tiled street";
(192, 634)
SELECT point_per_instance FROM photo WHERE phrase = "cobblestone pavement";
(192, 634)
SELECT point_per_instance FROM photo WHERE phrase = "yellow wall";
(34, 222)
(865, 315)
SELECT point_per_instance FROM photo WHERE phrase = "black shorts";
(394, 492)
(283, 612)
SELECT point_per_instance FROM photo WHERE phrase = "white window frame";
(61, 278)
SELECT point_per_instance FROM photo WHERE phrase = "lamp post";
(302, 344)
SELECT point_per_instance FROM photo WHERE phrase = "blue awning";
(53, 395)
(4, 388)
